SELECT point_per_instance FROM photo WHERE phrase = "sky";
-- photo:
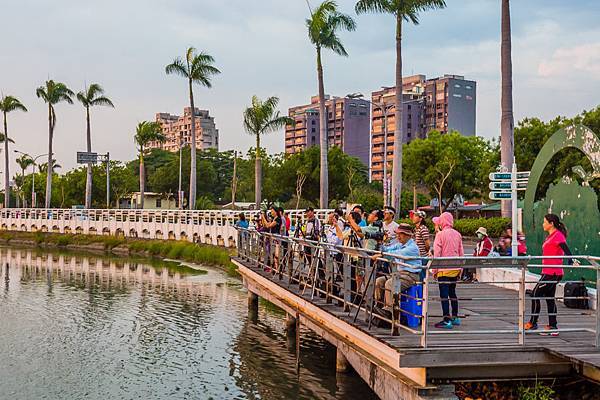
(262, 48)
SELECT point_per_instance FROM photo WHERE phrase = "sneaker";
(530, 326)
(444, 324)
(549, 331)
(455, 321)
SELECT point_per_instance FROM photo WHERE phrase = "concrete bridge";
(330, 290)
(214, 227)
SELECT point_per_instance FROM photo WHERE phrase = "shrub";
(539, 391)
(63, 240)
(468, 226)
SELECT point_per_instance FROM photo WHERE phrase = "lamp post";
(384, 109)
(33, 196)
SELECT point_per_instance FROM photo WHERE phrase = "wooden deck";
(456, 354)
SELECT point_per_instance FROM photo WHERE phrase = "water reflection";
(91, 327)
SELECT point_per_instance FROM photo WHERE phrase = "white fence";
(201, 226)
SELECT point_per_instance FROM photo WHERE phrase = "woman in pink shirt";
(552, 273)
(447, 243)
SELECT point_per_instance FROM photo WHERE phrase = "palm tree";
(8, 104)
(52, 93)
(43, 168)
(24, 162)
(260, 118)
(408, 11)
(507, 121)
(196, 68)
(145, 133)
(92, 96)
(323, 24)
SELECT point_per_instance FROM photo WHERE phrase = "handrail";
(348, 275)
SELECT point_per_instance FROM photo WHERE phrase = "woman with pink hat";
(447, 243)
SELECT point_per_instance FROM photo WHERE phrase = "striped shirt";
(421, 237)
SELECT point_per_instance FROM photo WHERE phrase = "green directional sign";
(500, 176)
(521, 185)
(500, 195)
(504, 176)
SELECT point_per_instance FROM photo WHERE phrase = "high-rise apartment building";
(445, 104)
(348, 123)
(178, 130)
(450, 104)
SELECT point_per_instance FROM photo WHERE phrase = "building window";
(468, 87)
(457, 86)
(158, 203)
(457, 95)
(313, 122)
(313, 130)
(312, 140)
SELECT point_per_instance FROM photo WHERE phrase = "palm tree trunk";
(23, 188)
(88, 181)
(192, 204)
(398, 136)
(49, 168)
(323, 141)
(507, 119)
(257, 174)
(6, 172)
(142, 180)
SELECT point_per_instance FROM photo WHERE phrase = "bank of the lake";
(124, 246)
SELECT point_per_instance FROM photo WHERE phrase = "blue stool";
(411, 302)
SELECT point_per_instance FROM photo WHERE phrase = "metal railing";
(494, 309)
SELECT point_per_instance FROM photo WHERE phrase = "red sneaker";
(549, 331)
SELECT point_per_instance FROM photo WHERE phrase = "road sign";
(507, 176)
(521, 185)
(500, 195)
(83, 157)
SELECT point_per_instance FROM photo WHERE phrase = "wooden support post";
(252, 302)
(290, 325)
(341, 362)
(297, 343)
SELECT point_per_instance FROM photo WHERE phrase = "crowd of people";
(407, 245)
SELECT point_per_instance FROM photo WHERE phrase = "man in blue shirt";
(407, 270)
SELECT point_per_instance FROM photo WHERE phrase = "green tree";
(91, 97)
(323, 25)
(8, 104)
(146, 132)
(24, 162)
(260, 118)
(402, 11)
(447, 164)
(197, 68)
(52, 93)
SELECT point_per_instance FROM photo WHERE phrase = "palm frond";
(102, 101)
(3, 137)
(178, 67)
(373, 6)
(323, 24)
(11, 103)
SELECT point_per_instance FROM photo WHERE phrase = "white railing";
(201, 226)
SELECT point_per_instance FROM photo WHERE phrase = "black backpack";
(576, 289)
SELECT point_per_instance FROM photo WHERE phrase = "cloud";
(579, 59)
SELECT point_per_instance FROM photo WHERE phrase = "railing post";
(370, 288)
(522, 304)
(425, 319)
(347, 284)
(597, 267)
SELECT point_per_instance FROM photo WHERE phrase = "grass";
(172, 249)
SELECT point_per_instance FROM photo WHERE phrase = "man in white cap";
(421, 232)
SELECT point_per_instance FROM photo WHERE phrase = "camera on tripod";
(378, 236)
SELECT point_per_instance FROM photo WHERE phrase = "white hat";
(482, 230)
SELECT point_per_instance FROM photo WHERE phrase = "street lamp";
(33, 196)
(384, 109)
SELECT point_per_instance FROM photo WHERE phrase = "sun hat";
(404, 228)
(482, 230)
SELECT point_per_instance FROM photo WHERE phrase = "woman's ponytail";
(558, 224)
